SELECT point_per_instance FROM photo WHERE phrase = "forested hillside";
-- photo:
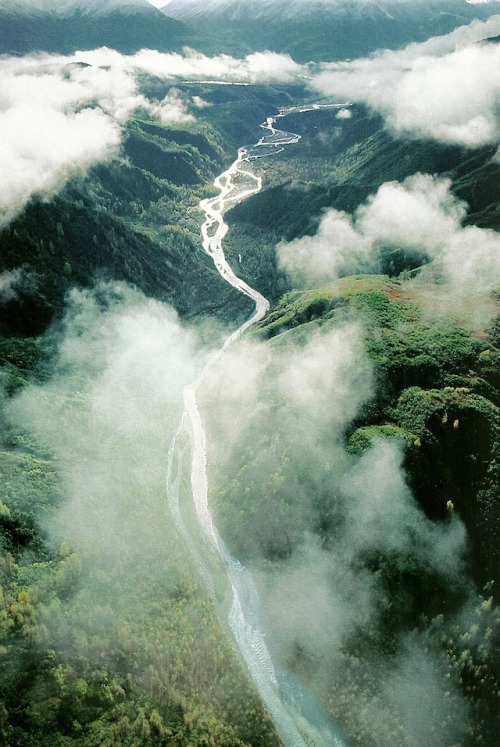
(352, 435)
(100, 644)
(325, 29)
(434, 398)
(30, 26)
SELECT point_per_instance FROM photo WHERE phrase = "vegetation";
(437, 392)
(64, 34)
(340, 163)
(108, 645)
(122, 646)
(436, 396)
(123, 222)
(330, 32)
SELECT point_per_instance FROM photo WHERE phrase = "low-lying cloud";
(59, 116)
(49, 131)
(447, 88)
(277, 448)
(258, 67)
(9, 283)
(108, 415)
(419, 215)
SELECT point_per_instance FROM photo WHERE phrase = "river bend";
(298, 718)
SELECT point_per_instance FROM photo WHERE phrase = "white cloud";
(284, 453)
(344, 114)
(381, 512)
(173, 108)
(61, 115)
(259, 67)
(420, 214)
(55, 121)
(200, 103)
(447, 88)
(128, 358)
(337, 248)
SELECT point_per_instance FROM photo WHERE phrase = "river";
(299, 718)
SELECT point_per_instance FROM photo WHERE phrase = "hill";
(64, 26)
(352, 437)
(325, 30)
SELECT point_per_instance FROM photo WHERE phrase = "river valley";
(298, 717)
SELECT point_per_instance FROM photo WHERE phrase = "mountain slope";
(63, 26)
(63, 7)
(120, 223)
(326, 29)
(117, 677)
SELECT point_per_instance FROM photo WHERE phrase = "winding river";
(298, 717)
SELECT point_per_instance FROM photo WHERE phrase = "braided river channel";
(299, 719)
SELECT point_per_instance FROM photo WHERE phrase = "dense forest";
(353, 436)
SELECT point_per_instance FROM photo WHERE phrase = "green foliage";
(115, 648)
(408, 348)
(363, 437)
(157, 150)
(464, 654)
(22, 360)
(124, 648)
(136, 221)
(339, 164)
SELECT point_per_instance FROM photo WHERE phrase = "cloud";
(259, 67)
(57, 119)
(344, 114)
(378, 515)
(332, 362)
(313, 603)
(280, 471)
(172, 109)
(9, 281)
(108, 415)
(200, 103)
(49, 131)
(419, 215)
(382, 513)
(59, 116)
(447, 88)
(411, 700)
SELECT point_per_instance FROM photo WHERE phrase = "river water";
(299, 718)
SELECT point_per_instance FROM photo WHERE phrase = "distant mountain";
(64, 7)
(324, 29)
(63, 26)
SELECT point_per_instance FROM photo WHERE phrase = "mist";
(321, 528)
(59, 116)
(317, 525)
(107, 415)
(9, 283)
(421, 216)
(257, 67)
(446, 89)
